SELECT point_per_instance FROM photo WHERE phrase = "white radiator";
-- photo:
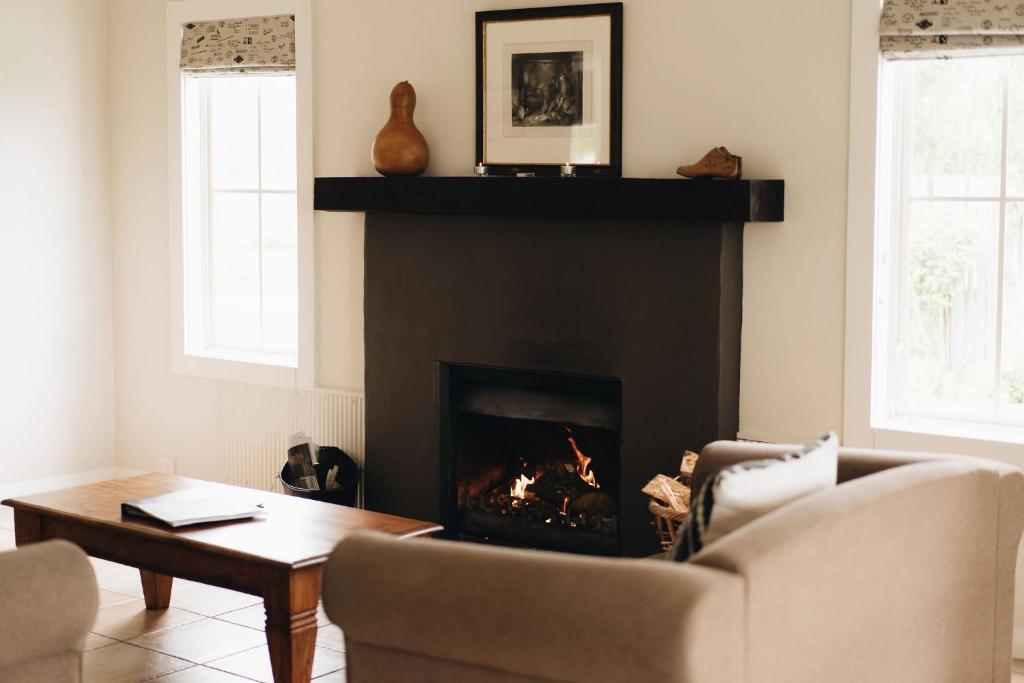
(257, 420)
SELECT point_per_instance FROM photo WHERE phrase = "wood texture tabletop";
(295, 531)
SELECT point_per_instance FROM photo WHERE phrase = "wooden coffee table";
(279, 558)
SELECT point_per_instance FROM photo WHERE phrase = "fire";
(518, 489)
(582, 464)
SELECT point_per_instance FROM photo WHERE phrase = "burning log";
(594, 502)
(558, 505)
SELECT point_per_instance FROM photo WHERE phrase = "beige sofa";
(903, 573)
(48, 603)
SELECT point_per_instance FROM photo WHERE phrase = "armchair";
(904, 572)
(48, 603)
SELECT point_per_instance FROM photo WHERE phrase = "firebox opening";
(534, 459)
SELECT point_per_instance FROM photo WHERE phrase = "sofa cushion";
(739, 494)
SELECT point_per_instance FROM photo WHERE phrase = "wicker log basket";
(670, 500)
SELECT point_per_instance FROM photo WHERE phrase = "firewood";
(687, 466)
(669, 491)
(594, 502)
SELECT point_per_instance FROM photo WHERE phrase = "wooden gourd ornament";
(400, 148)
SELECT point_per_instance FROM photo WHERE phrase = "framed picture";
(549, 89)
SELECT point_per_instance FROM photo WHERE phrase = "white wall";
(697, 75)
(158, 414)
(56, 357)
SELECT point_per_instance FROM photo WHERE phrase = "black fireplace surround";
(645, 311)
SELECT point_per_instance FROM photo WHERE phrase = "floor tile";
(209, 600)
(124, 582)
(6, 517)
(106, 568)
(94, 641)
(7, 540)
(124, 663)
(254, 616)
(130, 619)
(202, 641)
(109, 598)
(255, 663)
(201, 674)
(330, 636)
(334, 677)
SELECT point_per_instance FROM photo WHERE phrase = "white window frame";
(182, 363)
(860, 427)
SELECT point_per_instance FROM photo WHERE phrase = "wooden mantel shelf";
(720, 201)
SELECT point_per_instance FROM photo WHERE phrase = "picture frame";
(549, 90)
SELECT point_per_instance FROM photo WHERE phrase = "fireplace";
(505, 315)
(532, 459)
(650, 304)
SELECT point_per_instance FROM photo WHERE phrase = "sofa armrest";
(911, 565)
(48, 601)
(541, 615)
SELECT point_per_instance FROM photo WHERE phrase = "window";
(240, 217)
(240, 183)
(949, 261)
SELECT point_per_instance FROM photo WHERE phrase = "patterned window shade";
(937, 29)
(253, 45)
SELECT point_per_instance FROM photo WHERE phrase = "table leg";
(156, 588)
(290, 598)
(27, 528)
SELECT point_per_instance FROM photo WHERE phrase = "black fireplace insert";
(531, 459)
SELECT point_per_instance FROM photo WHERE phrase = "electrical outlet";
(165, 465)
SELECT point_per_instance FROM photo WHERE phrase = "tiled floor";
(207, 635)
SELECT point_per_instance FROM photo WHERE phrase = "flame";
(518, 489)
(582, 463)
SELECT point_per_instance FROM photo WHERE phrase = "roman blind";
(250, 45)
(937, 29)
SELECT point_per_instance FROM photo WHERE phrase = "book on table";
(198, 505)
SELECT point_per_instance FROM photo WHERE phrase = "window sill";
(229, 370)
(247, 357)
(933, 436)
(957, 429)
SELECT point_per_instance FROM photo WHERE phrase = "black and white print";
(547, 89)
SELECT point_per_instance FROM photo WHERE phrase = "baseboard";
(63, 481)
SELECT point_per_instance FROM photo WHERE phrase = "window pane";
(948, 310)
(1015, 128)
(277, 130)
(235, 270)
(956, 109)
(1013, 316)
(280, 273)
(233, 131)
